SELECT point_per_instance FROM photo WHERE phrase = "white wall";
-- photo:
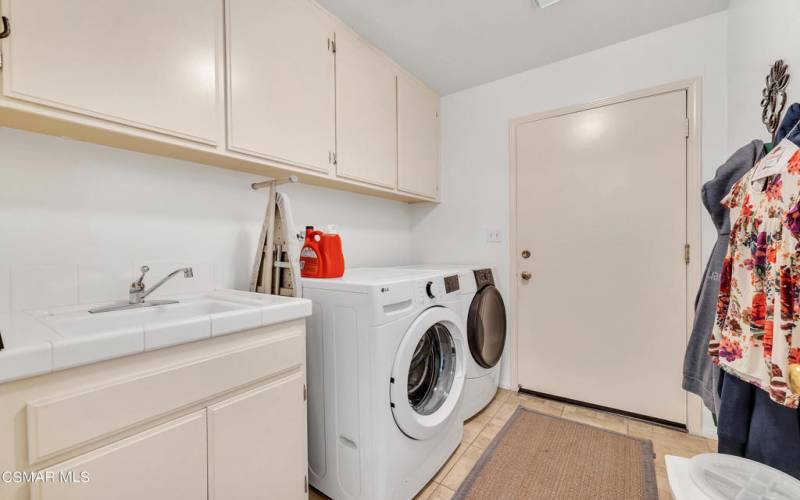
(76, 219)
(761, 31)
(475, 125)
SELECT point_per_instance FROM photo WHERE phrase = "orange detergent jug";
(321, 256)
(310, 255)
(332, 256)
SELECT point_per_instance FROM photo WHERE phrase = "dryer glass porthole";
(432, 370)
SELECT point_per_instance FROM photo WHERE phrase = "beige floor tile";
(488, 433)
(541, 405)
(462, 468)
(469, 435)
(596, 418)
(495, 405)
(462, 447)
(476, 425)
(481, 418)
(639, 428)
(505, 411)
(442, 493)
(663, 486)
(427, 491)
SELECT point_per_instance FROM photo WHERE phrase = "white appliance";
(484, 315)
(712, 476)
(386, 363)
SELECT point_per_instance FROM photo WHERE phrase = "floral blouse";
(755, 335)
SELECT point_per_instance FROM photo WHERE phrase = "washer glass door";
(428, 375)
(432, 370)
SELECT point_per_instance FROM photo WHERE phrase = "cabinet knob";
(526, 275)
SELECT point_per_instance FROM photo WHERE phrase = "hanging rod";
(292, 179)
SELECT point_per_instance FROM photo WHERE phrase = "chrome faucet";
(138, 292)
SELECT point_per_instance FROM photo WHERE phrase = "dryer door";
(486, 325)
(428, 375)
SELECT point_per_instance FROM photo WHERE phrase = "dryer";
(387, 354)
(484, 314)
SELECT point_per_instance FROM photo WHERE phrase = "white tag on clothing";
(776, 161)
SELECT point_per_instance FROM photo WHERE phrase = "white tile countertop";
(44, 341)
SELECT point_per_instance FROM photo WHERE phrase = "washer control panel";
(483, 277)
(431, 289)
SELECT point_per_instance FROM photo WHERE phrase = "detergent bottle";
(332, 256)
(311, 265)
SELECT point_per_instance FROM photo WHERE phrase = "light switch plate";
(494, 236)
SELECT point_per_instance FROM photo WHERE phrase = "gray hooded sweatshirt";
(700, 376)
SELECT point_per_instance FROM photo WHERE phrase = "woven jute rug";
(537, 456)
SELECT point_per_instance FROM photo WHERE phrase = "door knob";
(526, 275)
(526, 254)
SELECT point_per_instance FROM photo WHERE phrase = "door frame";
(693, 88)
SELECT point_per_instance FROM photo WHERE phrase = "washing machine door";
(486, 326)
(428, 374)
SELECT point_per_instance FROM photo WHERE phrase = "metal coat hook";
(774, 96)
(6, 28)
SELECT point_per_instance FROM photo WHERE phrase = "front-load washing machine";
(386, 365)
(484, 314)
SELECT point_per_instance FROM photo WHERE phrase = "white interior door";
(601, 206)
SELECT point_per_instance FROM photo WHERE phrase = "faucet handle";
(138, 284)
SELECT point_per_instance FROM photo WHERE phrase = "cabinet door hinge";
(305, 483)
(688, 128)
(332, 158)
(686, 253)
(332, 45)
(1, 58)
(305, 393)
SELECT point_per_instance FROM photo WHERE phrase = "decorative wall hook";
(6, 28)
(774, 96)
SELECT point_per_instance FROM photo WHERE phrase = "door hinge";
(1, 58)
(332, 45)
(332, 158)
(305, 393)
(305, 483)
(686, 253)
(688, 128)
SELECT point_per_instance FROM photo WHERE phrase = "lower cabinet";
(250, 446)
(169, 461)
(222, 419)
(257, 444)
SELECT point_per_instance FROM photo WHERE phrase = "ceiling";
(457, 44)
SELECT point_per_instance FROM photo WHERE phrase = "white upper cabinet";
(281, 89)
(366, 113)
(418, 138)
(149, 64)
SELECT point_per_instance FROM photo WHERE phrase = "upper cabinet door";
(366, 113)
(147, 63)
(281, 89)
(418, 138)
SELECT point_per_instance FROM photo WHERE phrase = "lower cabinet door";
(257, 443)
(167, 462)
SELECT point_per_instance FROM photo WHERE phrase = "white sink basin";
(81, 322)
(83, 337)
